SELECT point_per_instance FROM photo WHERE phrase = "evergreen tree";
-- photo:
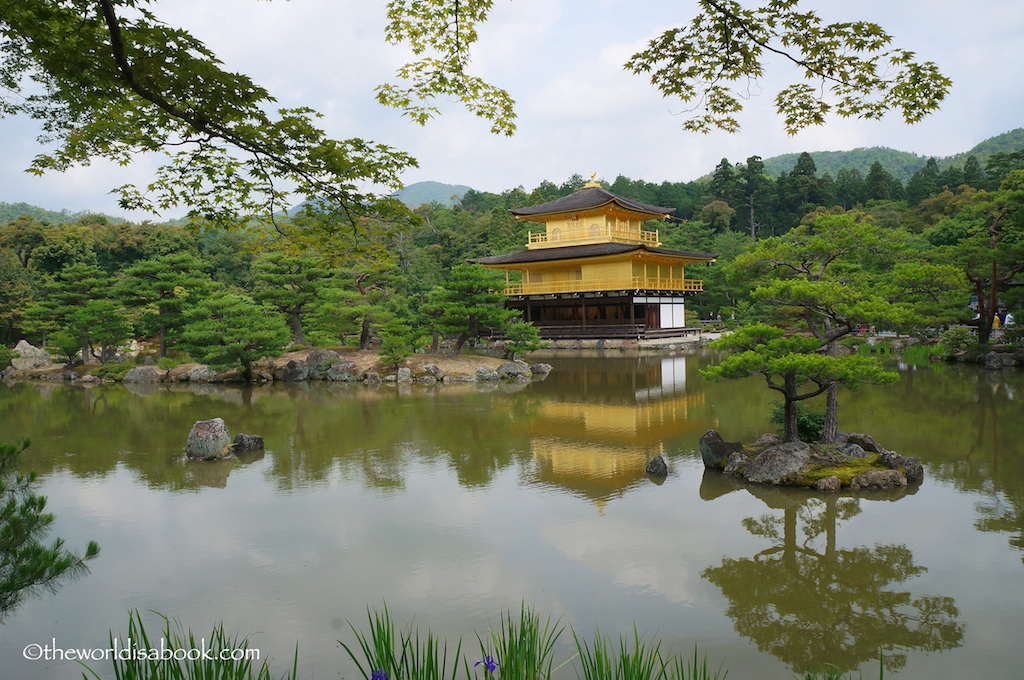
(986, 241)
(164, 287)
(522, 336)
(791, 366)
(289, 284)
(96, 327)
(924, 183)
(468, 302)
(27, 565)
(850, 189)
(835, 274)
(226, 330)
(754, 186)
(878, 183)
(15, 295)
(724, 185)
(973, 174)
(63, 296)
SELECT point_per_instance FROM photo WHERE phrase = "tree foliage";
(226, 330)
(792, 366)
(27, 565)
(468, 302)
(846, 68)
(710, 64)
(108, 79)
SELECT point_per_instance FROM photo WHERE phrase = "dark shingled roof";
(572, 252)
(585, 199)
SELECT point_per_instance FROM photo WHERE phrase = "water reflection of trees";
(966, 425)
(811, 603)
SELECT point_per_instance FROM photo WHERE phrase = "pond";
(453, 504)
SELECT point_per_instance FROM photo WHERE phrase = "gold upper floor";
(574, 230)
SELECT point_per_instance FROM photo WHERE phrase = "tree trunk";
(831, 424)
(470, 332)
(463, 337)
(297, 335)
(830, 427)
(364, 333)
(790, 427)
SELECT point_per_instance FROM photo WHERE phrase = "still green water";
(452, 504)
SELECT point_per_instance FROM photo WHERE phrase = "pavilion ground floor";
(606, 314)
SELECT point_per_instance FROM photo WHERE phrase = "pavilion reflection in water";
(596, 438)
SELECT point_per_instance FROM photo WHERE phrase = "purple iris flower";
(488, 663)
(379, 674)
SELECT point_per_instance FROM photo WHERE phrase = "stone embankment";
(855, 462)
(348, 366)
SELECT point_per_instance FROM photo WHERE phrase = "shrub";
(955, 340)
(808, 423)
(113, 371)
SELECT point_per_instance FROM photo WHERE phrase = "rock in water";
(879, 479)
(209, 439)
(657, 466)
(715, 451)
(247, 442)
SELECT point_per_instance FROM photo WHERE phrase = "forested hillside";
(11, 211)
(900, 164)
(419, 193)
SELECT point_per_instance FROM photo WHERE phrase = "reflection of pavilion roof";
(585, 251)
(589, 198)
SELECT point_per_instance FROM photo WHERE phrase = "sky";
(579, 111)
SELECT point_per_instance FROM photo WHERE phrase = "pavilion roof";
(592, 250)
(588, 198)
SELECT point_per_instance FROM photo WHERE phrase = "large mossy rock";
(319, 363)
(778, 462)
(208, 440)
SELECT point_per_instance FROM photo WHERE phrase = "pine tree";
(468, 302)
(163, 288)
(226, 330)
(289, 284)
(27, 565)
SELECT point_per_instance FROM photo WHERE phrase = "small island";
(854, 462)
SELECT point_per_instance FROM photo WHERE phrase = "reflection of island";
(596, 438)
(814, 605)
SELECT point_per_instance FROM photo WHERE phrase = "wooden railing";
(627, 283)
(605, 233)
(554, 330)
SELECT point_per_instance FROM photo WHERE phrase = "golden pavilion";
(595, 271)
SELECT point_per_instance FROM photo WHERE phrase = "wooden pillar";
(583, 310)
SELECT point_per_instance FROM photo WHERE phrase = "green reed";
(600, 660)
(694, 668)
(393, 654)
(520, 649)
(179, 655)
